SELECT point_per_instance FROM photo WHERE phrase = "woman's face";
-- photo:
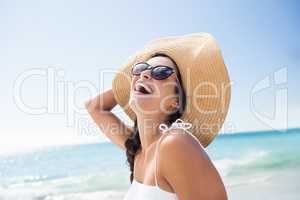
(162, 98)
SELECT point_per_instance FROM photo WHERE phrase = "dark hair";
(133, 143)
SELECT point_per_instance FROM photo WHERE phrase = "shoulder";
(187, 167)
(178, 141)
(179, 147)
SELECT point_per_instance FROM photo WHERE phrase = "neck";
(149, 131)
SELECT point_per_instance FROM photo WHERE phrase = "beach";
(254, 165)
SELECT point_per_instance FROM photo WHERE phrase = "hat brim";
(204, 78)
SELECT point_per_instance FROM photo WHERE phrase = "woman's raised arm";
(100, 108)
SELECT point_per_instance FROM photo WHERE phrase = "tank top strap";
(163, 127)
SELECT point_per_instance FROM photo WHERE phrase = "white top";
(140, 191)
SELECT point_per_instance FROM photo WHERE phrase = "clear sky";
(77, 39)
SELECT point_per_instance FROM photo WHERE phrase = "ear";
(174, 105)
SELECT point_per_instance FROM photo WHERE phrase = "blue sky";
(258, 39)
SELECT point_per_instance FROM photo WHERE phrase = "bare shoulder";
(188, 169)
(179, 141)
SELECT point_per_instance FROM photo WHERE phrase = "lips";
(143, 88)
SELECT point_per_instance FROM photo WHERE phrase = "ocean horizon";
(253, 165)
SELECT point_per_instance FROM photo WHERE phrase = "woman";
(166, 160)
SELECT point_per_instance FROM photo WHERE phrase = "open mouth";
(142, 89)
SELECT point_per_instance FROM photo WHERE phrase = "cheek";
(133, 80)
(167, 90)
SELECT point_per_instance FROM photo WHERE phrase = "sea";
(254, 165)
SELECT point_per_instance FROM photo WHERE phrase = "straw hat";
(204, 78)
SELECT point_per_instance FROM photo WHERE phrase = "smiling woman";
(166, 160)
(52, 62)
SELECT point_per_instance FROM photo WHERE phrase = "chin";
(142, 104)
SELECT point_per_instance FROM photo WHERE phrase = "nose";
(146, 74)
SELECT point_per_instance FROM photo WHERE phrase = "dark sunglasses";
(158, 72)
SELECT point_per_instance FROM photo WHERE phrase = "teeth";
(141, 87)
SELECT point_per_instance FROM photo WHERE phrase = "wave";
(93, 186)
(105, 195)
(257, 161)
(240, 181)
(226, 166)
(38, 194)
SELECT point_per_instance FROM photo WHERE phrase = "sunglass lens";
(138, 68)
(161, 72)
